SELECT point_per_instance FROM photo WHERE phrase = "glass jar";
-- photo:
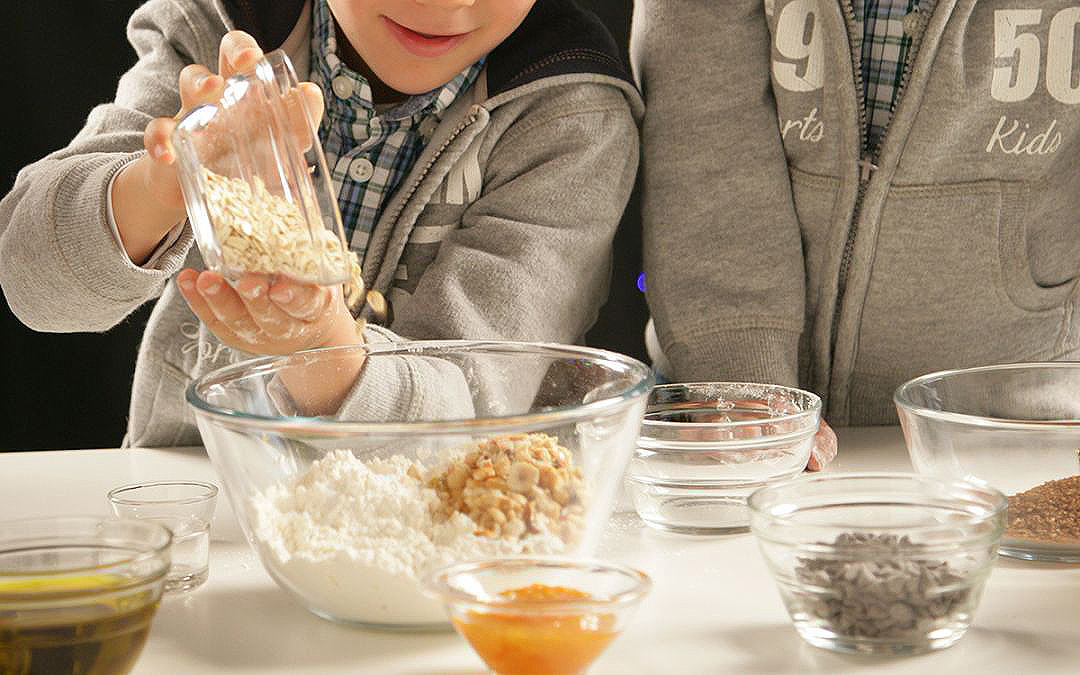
(256, 184)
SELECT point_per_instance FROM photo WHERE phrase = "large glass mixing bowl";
(441, 452)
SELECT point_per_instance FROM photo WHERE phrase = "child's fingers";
(197, 87)
(312, 98)
(158, 140)
(254, 290)
(824, 450)
(306, 302)
(226, 306)
(304, 110)
(186, 281)
(237, 53)
(160, 175)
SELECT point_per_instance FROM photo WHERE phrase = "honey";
(524, 638)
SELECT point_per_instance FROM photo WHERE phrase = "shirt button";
(360, 170)
(342, 86)
(910, 22)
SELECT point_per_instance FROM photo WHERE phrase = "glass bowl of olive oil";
(77, 594)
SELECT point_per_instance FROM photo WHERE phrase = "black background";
(72, 390)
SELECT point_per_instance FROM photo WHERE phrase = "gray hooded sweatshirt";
(501, 230)
(775, 251)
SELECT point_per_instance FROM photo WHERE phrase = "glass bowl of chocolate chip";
(356, 470)
(1015, 427)
(879, 563)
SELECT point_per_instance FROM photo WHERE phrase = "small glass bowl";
(256, 184)
(879, 563)
(77, 594)
(1015, 427)
(539, 616)
(187, 509)
(705, 446)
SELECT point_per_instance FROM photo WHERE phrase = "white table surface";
(713, 608)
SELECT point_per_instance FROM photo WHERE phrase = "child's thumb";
(313, 101)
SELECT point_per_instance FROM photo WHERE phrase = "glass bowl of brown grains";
(1015, 427)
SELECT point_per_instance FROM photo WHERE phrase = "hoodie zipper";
(470, 118)
(866, 166)
(868, 156)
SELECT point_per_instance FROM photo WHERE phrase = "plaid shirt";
(886, 51)
(369, 150)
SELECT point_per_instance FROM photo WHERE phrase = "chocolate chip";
(877, 591)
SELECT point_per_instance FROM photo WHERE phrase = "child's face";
(415, 46)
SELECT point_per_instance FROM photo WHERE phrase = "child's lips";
(423, 44)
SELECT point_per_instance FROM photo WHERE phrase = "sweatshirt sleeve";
(62, 268)
(722, 250)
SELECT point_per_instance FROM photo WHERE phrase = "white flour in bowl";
(352, 538)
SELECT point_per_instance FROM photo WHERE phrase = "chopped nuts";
(523, 476)
(515, 486)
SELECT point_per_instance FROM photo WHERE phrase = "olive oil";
(101, 636)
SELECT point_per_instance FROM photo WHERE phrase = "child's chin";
(412, 84)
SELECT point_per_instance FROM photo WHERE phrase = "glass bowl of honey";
(77, 594)
(539, 616)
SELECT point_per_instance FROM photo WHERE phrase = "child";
(483, 151)
(847, 227)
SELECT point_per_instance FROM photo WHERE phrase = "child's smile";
(417, 46)
(422, 43)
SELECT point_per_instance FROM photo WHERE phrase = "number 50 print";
(1021, 52)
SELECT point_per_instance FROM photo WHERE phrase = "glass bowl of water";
(705, 446)
(185, 507)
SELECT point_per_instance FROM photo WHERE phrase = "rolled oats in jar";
(256, 185)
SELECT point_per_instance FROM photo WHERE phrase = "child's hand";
(824, 450)
(147, 199)
(280, 318)
(821, 453)
(258, 317)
